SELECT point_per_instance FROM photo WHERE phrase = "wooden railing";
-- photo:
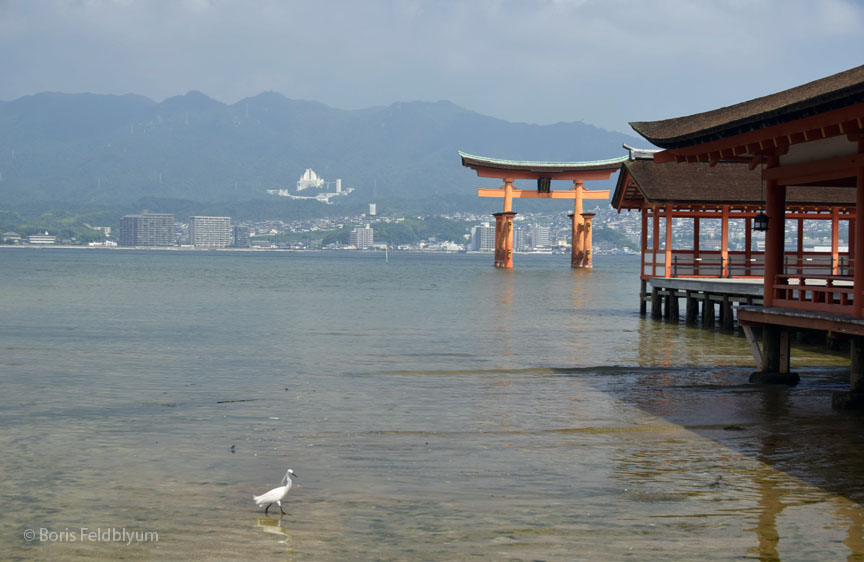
(711, 263)
(823, 293)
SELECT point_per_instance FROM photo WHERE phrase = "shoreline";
(192, 249)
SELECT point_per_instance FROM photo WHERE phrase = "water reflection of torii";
(543, 172)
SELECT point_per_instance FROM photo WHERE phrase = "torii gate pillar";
(578, 246)
(504, 239)
(581, 250)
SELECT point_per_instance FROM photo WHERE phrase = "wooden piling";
(643, 293)
(674, 313)
(707, 310)
(728, 318)
(692, 314)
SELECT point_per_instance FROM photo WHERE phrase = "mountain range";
(94, 149)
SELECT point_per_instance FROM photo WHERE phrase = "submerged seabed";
(435, 408)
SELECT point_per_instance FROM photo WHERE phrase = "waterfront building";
(540, 237)
(810, 136)
(42, 239)
(210, 232)
(710, 201)
(11, 238)
(362, 237)
(483, 238)
(519, 242)
(242, 237)
(147, 230)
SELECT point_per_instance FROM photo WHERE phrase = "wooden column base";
(790, 379)
(504, 239)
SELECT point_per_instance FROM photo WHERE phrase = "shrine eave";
(820, 96)
(540, 169)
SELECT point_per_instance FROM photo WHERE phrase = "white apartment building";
(483, 238)
(362, 237)
(210, 232)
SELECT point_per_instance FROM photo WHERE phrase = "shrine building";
(805, 143)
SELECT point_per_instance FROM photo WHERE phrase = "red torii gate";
(543, 173)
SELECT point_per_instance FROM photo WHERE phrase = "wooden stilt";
(707, 310)
(643, 290)
(692, 314)
(775, 358)
(728, 318)
(656, 304)
(674, 313)
(785, 351)
(754, 346)
(854, 397)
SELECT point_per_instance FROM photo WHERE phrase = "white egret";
(276, 495)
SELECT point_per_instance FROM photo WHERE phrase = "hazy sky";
(604, 62)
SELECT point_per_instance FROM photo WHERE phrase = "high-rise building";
(373, 209)
(540, 237)
(147, 230)
(519, 243)
(242, 237)
(483, 238)
(210, 232)
(361, 237)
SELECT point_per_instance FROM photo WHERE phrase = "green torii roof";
(471, 161)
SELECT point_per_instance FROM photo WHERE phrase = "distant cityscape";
(534, 232)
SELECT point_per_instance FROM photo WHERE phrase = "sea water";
(434, 407)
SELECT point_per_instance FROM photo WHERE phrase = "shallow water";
(434, 407)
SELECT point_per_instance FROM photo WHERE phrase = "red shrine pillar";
(667, 256)
(587, 258)
(504, 239)
(725, 269)
(858, 275)
(775, 208)
(580, 248)
(835, 239)
(775, 338)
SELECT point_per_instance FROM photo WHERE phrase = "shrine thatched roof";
(833, 92)
(726, 183)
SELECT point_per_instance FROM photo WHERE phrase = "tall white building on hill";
(322, 191)
(309, 179)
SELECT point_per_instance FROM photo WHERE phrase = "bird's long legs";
(269, 505)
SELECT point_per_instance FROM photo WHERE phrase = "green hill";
(91, 151)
